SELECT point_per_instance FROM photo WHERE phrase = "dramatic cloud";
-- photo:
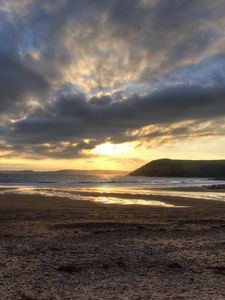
(70, 119)
(75, 74)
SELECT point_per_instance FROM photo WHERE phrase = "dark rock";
(174, 265)
(219, 270)
(69, 269)
(120, 264)
(106, 266)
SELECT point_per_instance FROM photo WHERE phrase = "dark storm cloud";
(17, 81)
(73, 119)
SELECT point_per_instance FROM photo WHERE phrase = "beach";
(112, 150)
(61, 248)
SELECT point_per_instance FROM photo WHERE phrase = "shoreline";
(116, 195)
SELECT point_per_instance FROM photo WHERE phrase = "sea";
(107, 188)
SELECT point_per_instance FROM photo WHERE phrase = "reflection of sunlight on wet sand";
(206, 195)
(121, 201)
(114, 195)
(107, 189)
(97, 199)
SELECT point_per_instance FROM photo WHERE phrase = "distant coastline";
(72, 171)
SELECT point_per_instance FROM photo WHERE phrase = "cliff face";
(182, 168)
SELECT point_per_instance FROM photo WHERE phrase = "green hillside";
(182, 168)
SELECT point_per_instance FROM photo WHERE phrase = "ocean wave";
(40, 179)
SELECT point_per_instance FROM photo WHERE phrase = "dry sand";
(54, 248)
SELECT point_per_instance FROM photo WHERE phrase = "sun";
(107, 149)
(112, 149)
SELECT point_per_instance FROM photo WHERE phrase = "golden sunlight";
(113, 149)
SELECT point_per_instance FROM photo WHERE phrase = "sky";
(95, 84)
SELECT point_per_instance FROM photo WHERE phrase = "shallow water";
(106, 189)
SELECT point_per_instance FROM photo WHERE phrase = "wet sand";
(207, 188)
(54, 248)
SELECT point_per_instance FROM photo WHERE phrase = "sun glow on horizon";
(125, 156)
